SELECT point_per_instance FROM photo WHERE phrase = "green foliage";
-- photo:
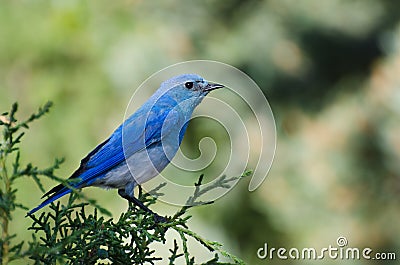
(76, 234)
(9, 173)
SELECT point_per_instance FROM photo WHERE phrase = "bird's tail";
(61, 191)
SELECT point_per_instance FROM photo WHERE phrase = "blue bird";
(143, 145)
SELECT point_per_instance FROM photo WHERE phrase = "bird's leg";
(138, 203)
(134, 200)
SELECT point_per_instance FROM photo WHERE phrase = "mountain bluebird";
(143, 145)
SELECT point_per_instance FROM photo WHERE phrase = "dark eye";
(189, 85)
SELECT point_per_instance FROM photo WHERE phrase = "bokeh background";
(330, 70)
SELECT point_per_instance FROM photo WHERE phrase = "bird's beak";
(212, 86)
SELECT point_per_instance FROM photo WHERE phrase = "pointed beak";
(212, 86)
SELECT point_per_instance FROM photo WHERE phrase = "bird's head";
(188, 89)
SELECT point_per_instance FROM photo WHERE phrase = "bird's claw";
(160, 219)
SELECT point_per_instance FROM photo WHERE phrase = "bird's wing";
(132, 136)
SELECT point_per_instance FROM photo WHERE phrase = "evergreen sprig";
(10, 171)
(70, 235)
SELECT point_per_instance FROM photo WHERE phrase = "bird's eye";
(189, 85)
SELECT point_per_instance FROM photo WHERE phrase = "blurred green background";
(330, 70)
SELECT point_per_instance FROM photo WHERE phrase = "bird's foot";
(159, 219)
